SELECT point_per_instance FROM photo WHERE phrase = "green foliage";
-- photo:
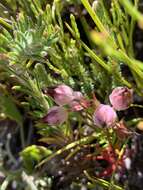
(31, 155)
(9, 108)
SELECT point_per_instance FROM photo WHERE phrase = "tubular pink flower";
(104, 115)
(121, 98)
(63, 94)
(56, 116)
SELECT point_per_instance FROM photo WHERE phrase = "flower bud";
(77, 95)
(104, 115)
(121, 98)
(63, 94)
(75, 106)
(56, 116)
(79, 102)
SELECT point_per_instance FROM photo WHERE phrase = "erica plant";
(70, 93)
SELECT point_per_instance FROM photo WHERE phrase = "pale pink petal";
(56, 116)
(121, 98)
(104, 115)
(63, 94)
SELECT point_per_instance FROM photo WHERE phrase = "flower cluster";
(69, 100)
(63, 95)
(120, 99)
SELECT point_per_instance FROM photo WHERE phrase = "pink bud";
(79, 103)
(63, 94)
(121, 98)
(77, 95)
(104, 115)
(56, 116)
(76, 106)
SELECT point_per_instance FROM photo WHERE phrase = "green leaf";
(31, 155)
(10, 109)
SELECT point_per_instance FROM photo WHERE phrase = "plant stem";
(94, 56)
(82, 141)
(11, 157)
(94, 16)
(132, 11)
(101, 182)
(131, 29)
(131, 51)
(91, 53)
(22, 136)
(97, 21)
(86, 30)
(136, 105)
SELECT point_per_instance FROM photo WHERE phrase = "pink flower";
(63, 94)
(56, 116)
(104, 115)
(121, 98)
